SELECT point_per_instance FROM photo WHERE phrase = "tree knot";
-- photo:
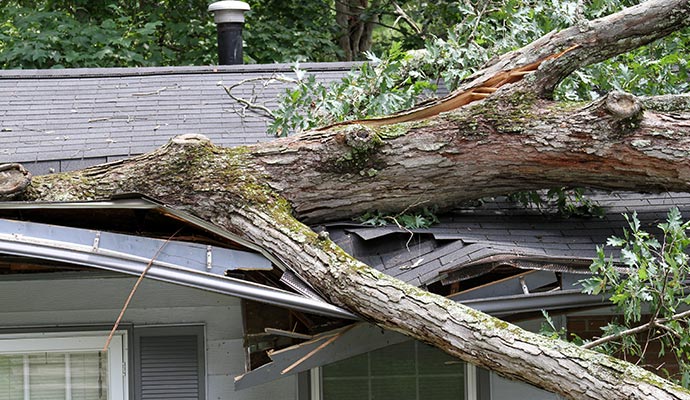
(14, 178)
(623, 106)
(362, 138)
(360, 155)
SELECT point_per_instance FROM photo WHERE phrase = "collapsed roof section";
(500, 249)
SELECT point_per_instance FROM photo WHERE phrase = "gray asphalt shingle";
(81, 117)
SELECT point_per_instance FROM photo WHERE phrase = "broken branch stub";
(14, 178)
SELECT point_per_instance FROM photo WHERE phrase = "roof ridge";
(77, 73)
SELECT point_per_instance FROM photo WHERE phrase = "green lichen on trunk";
(361, 144)
(511, 113)
(500, 114)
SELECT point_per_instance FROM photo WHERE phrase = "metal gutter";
(199, 257)
(134, 201)
(138, 201)
(60, 248)
(556, 300)
(141, 203)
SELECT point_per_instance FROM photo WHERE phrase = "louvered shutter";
(169, 366)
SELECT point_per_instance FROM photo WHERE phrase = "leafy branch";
(568, 202)
(648, 283)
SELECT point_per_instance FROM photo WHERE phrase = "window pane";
(441, 388)
(11, 377)
(398, 359)
(433, 361)
(394, 388)
(50, 375)
(89, 376)
(406, 371)
(346, 389)
(47, 376)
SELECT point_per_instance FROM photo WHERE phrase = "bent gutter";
(63, 251)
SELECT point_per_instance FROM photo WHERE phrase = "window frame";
(76, 341)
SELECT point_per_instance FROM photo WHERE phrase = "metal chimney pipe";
(229, 19)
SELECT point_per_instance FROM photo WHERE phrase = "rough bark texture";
(514, 140)
(502, 144)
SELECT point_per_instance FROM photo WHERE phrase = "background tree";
(82, 33)
(290, 31)
(111, 33)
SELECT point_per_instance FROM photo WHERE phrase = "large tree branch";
(506, 143)
(556, 55)
(597, 41)
(223, 187)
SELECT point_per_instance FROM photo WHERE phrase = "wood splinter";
(456, 99)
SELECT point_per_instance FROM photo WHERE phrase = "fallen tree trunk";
(503, 144)
(515, 139)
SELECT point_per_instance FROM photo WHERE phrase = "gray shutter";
(169, 366)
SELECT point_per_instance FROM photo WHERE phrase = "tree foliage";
(110, 33)
(647, 285)
(398, 78)
(287, 31)
(60, 34)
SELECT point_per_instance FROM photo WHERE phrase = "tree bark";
(516, 139)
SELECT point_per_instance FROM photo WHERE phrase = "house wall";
(67, 302)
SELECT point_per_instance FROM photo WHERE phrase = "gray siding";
(78, 302)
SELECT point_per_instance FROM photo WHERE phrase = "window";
(69, 366)
(405, 371)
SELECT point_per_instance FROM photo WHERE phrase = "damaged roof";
(123, 235)
(59, 120)
(497, 257)
(476, 240)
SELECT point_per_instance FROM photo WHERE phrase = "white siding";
(65, 302)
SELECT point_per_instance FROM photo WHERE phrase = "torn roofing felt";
(69, 240)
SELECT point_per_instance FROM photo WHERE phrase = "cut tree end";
(14, 179)
(191, 139)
